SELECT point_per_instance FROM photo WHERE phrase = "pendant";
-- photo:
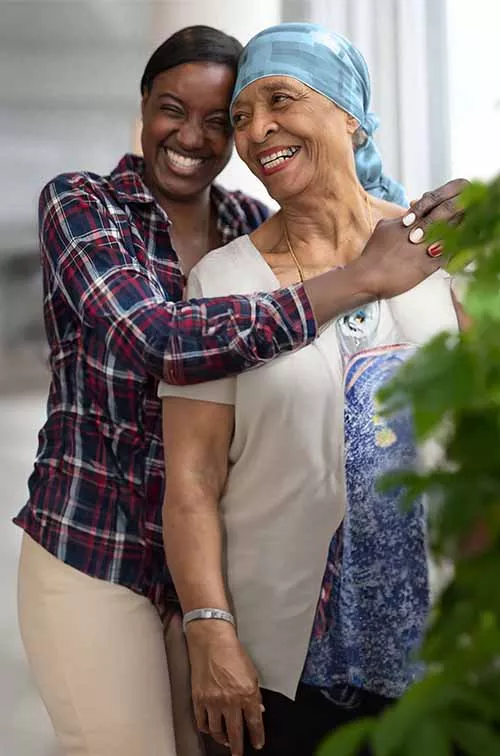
(357, 329)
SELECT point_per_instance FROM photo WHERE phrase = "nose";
(191, 136)
(261, 126)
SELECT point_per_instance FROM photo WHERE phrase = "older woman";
(257, 472)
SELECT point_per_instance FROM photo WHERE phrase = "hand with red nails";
(395, 258)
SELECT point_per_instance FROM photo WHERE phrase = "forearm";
(338, 291)
(87, 261)
(207, 339)
(180, 342)
(233, 334)
(193, 544)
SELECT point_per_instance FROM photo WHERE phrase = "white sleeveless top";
(285, 493)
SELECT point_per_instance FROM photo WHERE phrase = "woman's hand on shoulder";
(225, 686)
(396, 257)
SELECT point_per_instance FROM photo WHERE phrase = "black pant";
(296, 728)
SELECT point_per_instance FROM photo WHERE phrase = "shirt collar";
(129, 187)
(230, 212)
(128, 183)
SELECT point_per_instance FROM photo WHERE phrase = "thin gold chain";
(297, 264)
(291, 250)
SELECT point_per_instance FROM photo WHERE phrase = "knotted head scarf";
(330, 65)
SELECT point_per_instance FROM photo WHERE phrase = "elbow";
(153, 358)
(167, 361)
(189, 503)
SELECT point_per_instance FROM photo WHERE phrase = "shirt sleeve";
(221, 391)
(85, 256)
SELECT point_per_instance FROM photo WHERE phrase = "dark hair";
(194, 44)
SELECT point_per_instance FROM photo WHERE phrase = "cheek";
(157, 128)
(241, 144)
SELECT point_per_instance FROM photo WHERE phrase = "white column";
(241, 20)
(413, 90)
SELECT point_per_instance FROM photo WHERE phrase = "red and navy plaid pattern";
(115, 325)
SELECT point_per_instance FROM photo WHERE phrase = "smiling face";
(186, 133)
(290, 136)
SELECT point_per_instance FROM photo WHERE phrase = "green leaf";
(474, 193)
(430, 739)
(348, 740)
(452, 386)
(476, 738)
(398, 724)
(484, 300)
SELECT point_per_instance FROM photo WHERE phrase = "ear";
(145, 98)
(352, 124)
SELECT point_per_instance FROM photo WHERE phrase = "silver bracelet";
(207, 614)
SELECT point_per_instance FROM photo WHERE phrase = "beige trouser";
(97, 652)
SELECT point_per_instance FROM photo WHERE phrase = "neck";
(331, 229)
(190, 216)
(194, 228)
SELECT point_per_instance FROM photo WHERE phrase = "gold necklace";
(300, 269)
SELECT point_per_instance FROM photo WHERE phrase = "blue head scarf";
(332, 66)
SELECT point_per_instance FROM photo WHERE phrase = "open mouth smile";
(182, 164)
(275, 160)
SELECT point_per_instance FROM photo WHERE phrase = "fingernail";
(435, 250)
(409, 219)
(416, 235)
(262, 707)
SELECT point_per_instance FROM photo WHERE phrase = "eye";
(221, 124)
(239, 119)
(279, 98)
(172, 110)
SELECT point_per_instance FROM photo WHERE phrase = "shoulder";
(81, 206)
(386, 210)
(111, 192)
(426, 310)
(217, 260)
(232, 269)
(78, 187)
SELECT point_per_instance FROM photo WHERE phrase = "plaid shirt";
(115, 325)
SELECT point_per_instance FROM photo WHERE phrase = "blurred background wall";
(69, 94)
(69, 100)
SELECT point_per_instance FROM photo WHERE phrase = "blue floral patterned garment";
(374, 598)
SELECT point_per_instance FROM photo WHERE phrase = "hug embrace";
(173, 478)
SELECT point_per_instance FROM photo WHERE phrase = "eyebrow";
(170, 96)
(271, 86)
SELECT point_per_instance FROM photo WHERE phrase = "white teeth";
(182, 161)
(278, 157)
(278, 161)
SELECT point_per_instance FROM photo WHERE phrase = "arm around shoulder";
(107, 286)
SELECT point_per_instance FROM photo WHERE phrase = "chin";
(175, 187)
(283, 193)
(282, 187)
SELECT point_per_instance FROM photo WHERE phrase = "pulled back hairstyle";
(194, 44)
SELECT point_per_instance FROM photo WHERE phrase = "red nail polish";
(435, 250)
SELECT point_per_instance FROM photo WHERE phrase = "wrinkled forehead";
(265, 86)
